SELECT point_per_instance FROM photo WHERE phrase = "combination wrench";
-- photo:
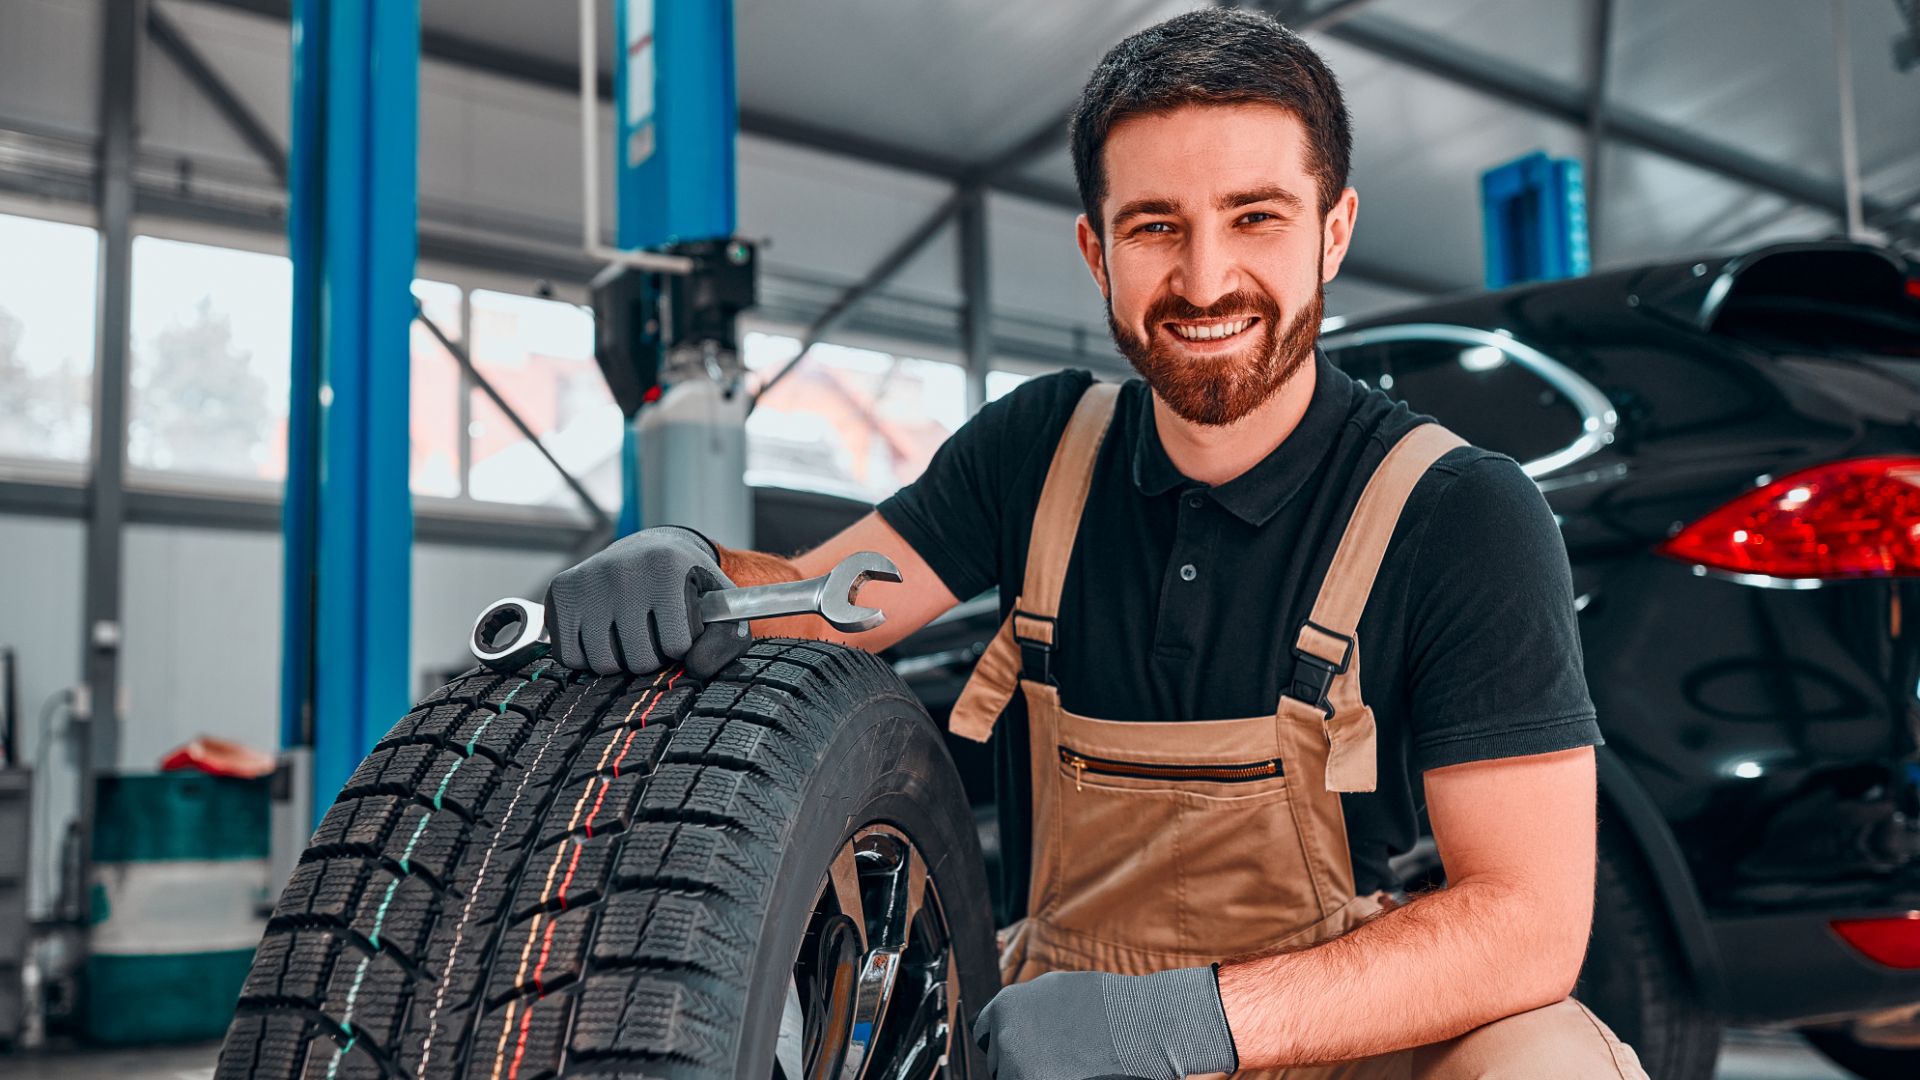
(513, 630)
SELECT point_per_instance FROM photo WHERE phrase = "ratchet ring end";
(509, 633)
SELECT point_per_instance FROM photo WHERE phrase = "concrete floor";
(1746, 1056)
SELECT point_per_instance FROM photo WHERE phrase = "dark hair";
(1212, 56)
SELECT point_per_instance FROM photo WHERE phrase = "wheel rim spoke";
(887, 1011)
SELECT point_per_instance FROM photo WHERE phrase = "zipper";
(1081, 764)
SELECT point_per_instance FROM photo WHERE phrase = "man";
(1239, 528)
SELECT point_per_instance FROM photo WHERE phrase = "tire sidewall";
(885, 763)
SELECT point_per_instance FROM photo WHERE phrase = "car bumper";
(1796, 969)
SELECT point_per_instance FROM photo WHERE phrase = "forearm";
(1430, 970)
(746, 568)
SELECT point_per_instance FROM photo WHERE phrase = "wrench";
(513, 630)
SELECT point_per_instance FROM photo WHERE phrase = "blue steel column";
(348, 518)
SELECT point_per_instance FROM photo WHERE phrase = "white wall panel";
(202, 635)
(1037, 268)
(40, 561)
(202, 653)
(836, 218)
(50, 62)
(249, 53)
(451, 585)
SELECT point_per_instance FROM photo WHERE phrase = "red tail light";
(1850, 519)
(1893, 941)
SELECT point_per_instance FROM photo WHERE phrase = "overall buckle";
(1036, 656)
(1312, 676)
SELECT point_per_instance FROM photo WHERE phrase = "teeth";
(1213, 331)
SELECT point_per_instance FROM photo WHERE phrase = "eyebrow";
(1270, 193)
(1154, 206)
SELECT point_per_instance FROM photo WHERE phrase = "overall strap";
(1326, 670)
(1023, 647)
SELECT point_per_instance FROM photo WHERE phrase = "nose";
(1206, 271)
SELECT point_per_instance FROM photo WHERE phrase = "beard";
(1216, 391)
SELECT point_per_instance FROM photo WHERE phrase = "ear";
(1091, 250)
(1337, 233)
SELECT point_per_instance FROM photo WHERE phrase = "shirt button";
(1188, 573)
(1194, 501)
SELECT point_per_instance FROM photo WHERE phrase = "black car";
(1730, 445)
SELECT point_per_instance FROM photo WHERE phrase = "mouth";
(1212, 334)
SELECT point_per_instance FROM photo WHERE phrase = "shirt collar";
(1257, 494)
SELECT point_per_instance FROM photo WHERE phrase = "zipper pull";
(1079, 769)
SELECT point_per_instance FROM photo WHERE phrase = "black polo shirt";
(1182, 600)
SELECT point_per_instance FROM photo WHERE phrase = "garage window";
(539, 355)
(212, 334)
(46, 339)
(853, 422)
(435, 385)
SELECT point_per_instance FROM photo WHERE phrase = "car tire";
(1634, 977)
(1864, 1061)
(542, 872)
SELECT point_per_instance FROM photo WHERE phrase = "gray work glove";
(634, 607)
(1072, 1025)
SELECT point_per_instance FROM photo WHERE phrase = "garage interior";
(898, 208)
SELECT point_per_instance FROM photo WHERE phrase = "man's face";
(1213, 254)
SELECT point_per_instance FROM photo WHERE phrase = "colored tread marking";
(406, 857)
(540, 969)
(520, 1045)
(546, 889)
(624, 747)
(500, 1048)
(571, 867)
(486, 862)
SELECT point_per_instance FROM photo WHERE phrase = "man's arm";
(1506, 935)
(916, 600)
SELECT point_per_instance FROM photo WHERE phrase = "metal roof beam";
(1599, 53)
(201, 74)
(1001, 174)
(1486, 75)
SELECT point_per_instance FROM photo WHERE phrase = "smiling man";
(1201, 780)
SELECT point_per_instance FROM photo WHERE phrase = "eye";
(1256, 217)
(1159, 227)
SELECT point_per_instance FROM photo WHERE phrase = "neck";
(1215, 455)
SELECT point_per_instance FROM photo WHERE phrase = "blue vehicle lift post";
(347, 523)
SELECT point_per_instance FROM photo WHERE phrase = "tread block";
(570, 874)
(622, 750)
(429, 842)
(774, 752)
(665, 851)
(409, 918)
(429, 721)
(528, 697)
(655, 1015)
(269, 1046)
(378, 1004)
(673, 930)
(326, 888)
(524, 1041)
(716, 795)
(293, 965)
(364, 819)
(540, 954)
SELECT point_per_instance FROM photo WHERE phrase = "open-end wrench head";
(844, 580)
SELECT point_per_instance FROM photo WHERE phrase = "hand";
(1073, 1025)
(635, 607)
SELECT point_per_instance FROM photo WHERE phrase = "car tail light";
(1851, 519)
(1893, 941)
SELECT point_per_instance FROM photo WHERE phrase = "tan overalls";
(1177, 844)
